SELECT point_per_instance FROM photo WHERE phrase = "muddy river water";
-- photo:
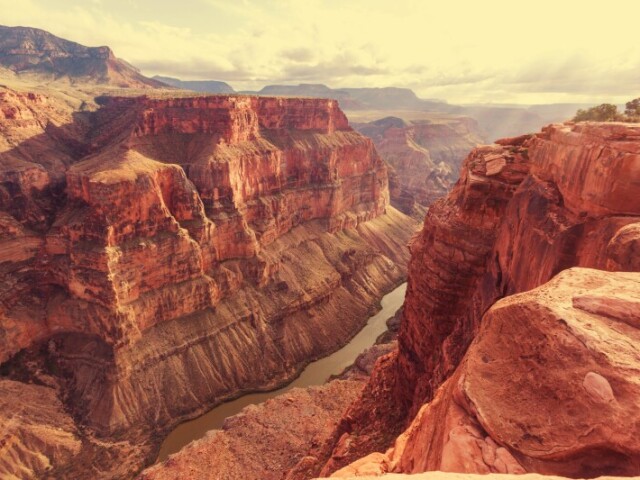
(316, 373)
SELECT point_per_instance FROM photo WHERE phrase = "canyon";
(424, 155)
(162, 255)
(524, 212)
(574, 365)
(348, 363)
(517, 350)
(274, 431)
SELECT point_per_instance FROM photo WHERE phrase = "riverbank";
(315, 373)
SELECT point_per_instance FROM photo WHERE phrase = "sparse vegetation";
(602, 113)
(632, 110)
(608, 112)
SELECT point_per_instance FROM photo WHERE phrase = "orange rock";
(547, 386)
(424, 156)
(200, 247)
(522, 211)
(263, 441)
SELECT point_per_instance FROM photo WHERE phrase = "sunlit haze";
(460, 51)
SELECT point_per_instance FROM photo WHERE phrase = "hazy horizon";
(463, 52)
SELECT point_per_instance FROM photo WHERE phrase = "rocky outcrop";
(262, 441)
(182, 251)
(569, 406)
(523, 211)
(37, 53)
(41, 439)
(424, 156)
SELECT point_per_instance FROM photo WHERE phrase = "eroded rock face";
(41, 439)
(424, 156)
(179, 251)
(263, 441)
(549, 385)
(36, 433)
(523, 210)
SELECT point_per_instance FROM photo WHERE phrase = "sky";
(481, 51)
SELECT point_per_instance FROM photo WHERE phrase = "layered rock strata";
(523, 211)
(171, 253)
(424, 156)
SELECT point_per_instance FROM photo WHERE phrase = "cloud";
(299, 55)
(462, 51)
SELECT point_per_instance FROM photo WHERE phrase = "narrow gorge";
(424, 155)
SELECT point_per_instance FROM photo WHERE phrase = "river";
(316, 373)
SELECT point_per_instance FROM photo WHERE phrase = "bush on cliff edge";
(609, 113)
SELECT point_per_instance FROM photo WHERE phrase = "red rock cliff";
(424, 156)
(522, 212)
(175, 252)
(549, 385)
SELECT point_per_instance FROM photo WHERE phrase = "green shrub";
(609, 113)
(602, 113)
(632, 110)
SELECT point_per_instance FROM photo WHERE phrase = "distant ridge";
(34, 54)
(37, 53)
(203, 86)
(381, 98)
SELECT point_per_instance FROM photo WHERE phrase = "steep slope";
(522, 212)
(262, 441)
(424, 156)
(173, 253)
(569, 350)
(38, 54)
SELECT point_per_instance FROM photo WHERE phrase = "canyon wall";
(549, 385)
(523, 211)
(579, 196)
(161, 255)
(424, 156)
